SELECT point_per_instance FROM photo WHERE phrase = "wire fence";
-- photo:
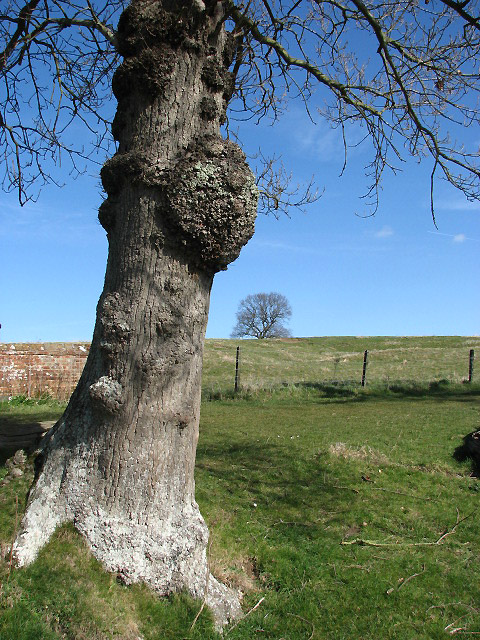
(252, 365)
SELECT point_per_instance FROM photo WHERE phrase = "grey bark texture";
(181, 203)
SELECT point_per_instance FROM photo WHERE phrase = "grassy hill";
(312, 360)
(339, 511)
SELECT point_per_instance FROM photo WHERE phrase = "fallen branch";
(372, 543)
(247, 614)
(452, 530)
(400, 493)
(454, 629)
(336, 486)
(453, 604)
(404, 582)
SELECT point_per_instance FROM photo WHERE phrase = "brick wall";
(35, 369)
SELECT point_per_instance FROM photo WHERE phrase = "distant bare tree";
(260, 315)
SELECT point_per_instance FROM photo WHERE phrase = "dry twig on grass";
(291, 524)
(294, 615)
(400, 493)
(452, 530)
(372, 543)
(403, 582)
(247, 614)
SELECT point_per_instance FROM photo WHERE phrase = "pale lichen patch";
(107, 393)
(211, 199)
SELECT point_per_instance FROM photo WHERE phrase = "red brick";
(33, 369)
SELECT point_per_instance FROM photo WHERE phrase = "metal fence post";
(470, 365)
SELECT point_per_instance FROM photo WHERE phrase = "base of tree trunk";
(166, 553)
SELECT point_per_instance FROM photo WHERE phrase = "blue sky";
(391, 274)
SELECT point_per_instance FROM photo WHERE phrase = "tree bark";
(181, 203)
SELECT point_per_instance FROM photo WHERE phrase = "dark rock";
(470, 450)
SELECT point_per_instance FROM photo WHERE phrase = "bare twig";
(336, 486)
(453, 604)
(291, 523)
(403, 582)
(452, 530)
(424, 75)
(372, 543)
(294, 615)
(400, 493)
(453, 629)
(247, 614)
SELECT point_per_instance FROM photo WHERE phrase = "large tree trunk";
(181, 204)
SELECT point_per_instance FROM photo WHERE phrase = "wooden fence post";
(364, 372)
(237, 370)
(470, 365)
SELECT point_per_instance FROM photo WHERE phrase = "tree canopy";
(406, 72)
(261, 315)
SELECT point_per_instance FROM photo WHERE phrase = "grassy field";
(339, 510)
(313, 360)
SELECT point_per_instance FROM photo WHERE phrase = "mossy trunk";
(181, 203)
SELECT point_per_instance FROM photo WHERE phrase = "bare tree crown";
(405, 73)
(261, 315)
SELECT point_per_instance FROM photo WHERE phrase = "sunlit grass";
(285, 475)
(338, 359)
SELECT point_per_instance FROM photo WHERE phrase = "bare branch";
(408, 74)
(277, 194)
(56, 64)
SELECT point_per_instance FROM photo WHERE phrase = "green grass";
(284, 476)
(266, 363)
(22, 409)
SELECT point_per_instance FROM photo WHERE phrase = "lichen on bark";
(210, 199)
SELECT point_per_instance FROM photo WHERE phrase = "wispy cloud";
(280, 246)
(457, 204)
(321, 141)
(324, 143)
(457, 237)
(46, 221)
(332, 248)
(385, 232)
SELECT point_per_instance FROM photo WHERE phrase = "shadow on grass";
(442, 389)
(18, 435)
(351, 391)
(277, 479)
